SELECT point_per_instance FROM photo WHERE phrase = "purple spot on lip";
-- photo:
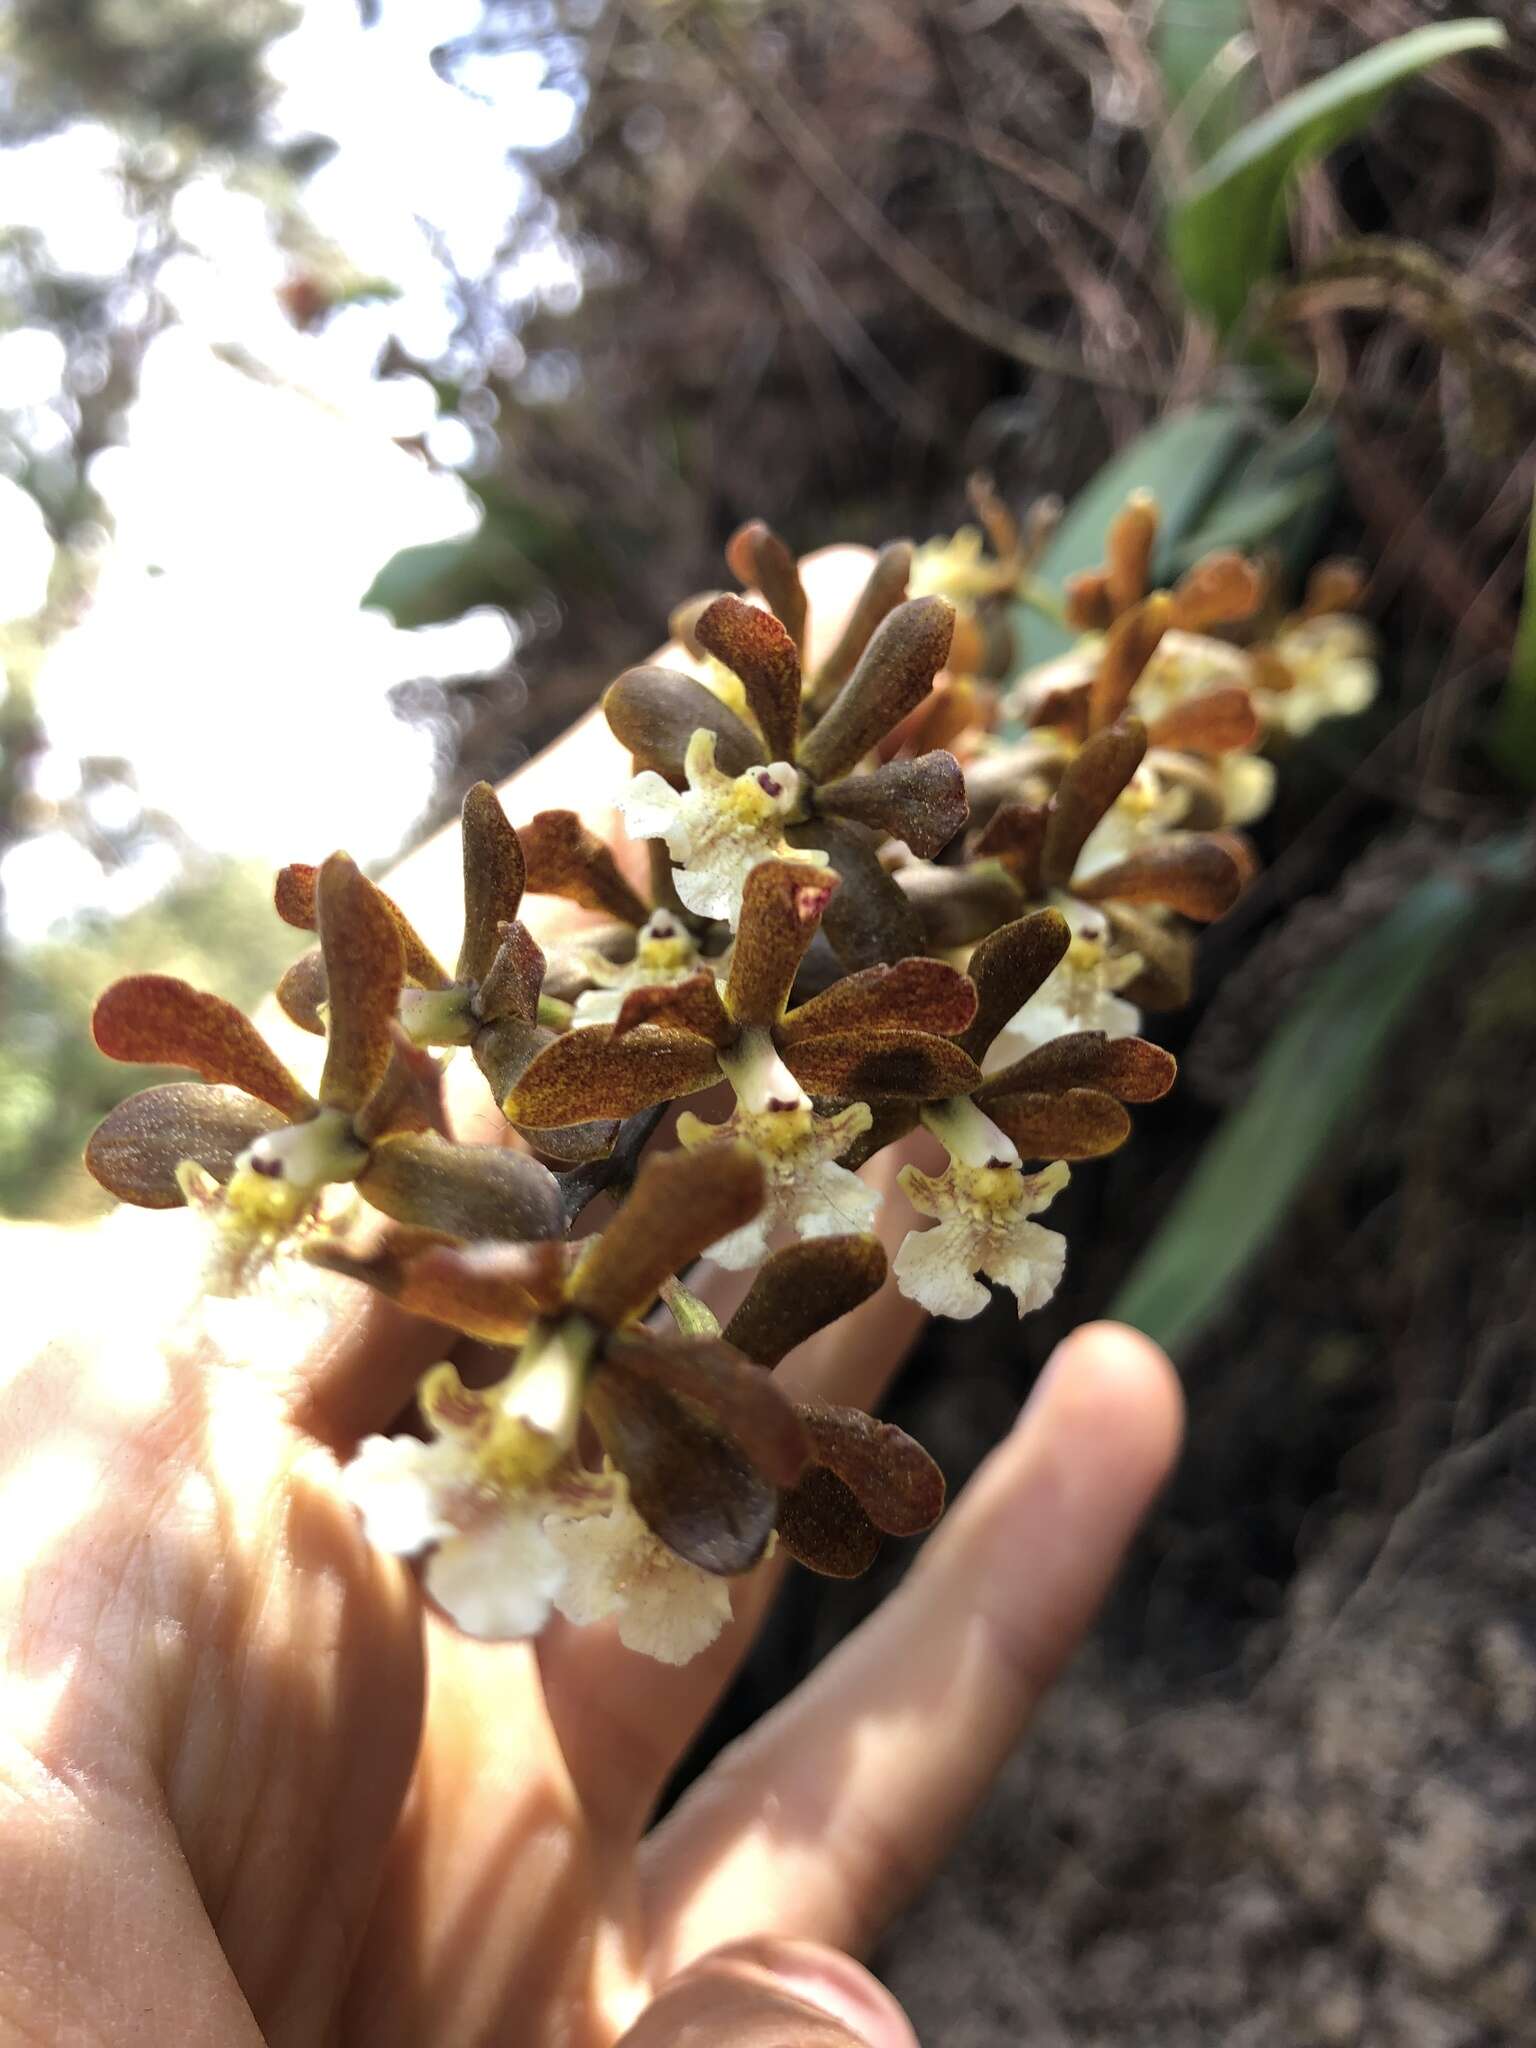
(776, 1104)
(272, 1169)
(770, 787)
(999, 1162)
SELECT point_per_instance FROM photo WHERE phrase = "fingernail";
(846, 1992)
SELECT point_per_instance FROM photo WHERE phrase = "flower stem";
(969, 1137)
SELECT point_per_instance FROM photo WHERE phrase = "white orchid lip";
(804, 1186)
(278, 1176)
(968, 1134)
(720, 827)
(666, 952)
(756, 1071)
(982, 1204)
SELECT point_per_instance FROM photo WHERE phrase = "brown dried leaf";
(782, 907)
(494, 878)
(1008, 967)
(802, 1289)
(926, 995)
(588, 1074)
(1083, 1123)
(1216, 722)
(691, 1486)
(655, 712)
(136, 1148)
(680, 1204)
(1193, 873)
(756, 648)
(893, 675)
(1130, 1069)
(364, 971)
(922, 802)
(709, 1378)
(1093, 778)
(692, 1005)
(868, 1066)
(302, 990)
(883, 590)
(564, 859)
(758, 558)
(474, 1191)
(156, 1020)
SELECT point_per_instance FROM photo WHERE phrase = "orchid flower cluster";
(884, 893)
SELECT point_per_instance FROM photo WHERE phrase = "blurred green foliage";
(1228, 231)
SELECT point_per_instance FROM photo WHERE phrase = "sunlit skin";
(253, 1791)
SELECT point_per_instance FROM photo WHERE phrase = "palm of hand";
(378, 1862)
(239, 1717)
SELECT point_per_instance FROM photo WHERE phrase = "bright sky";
(225, 653)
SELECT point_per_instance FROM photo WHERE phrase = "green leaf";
(1203, 51)
(1514, 732)
(442, 579)
(1184, 461)
(1279, 498)
(1228, 232)
(1313, 1077)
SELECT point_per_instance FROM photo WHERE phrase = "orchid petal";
(136, 1148)
(157, 1020)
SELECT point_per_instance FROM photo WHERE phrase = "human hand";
(257, 1791)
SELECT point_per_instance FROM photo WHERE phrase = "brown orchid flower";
(794, 786)
(645, 945)
(1060, 1101)
(880, 1035)
(1113, 871)
(1152, 652)
(706, 1444)
(375, 1119)
(492, 1000)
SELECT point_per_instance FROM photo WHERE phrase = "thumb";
(769, 1993)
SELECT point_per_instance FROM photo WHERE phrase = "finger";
(362, 1368)
(773, 1994)
(489, 1871)
(624, 1721)
(827, 1817)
